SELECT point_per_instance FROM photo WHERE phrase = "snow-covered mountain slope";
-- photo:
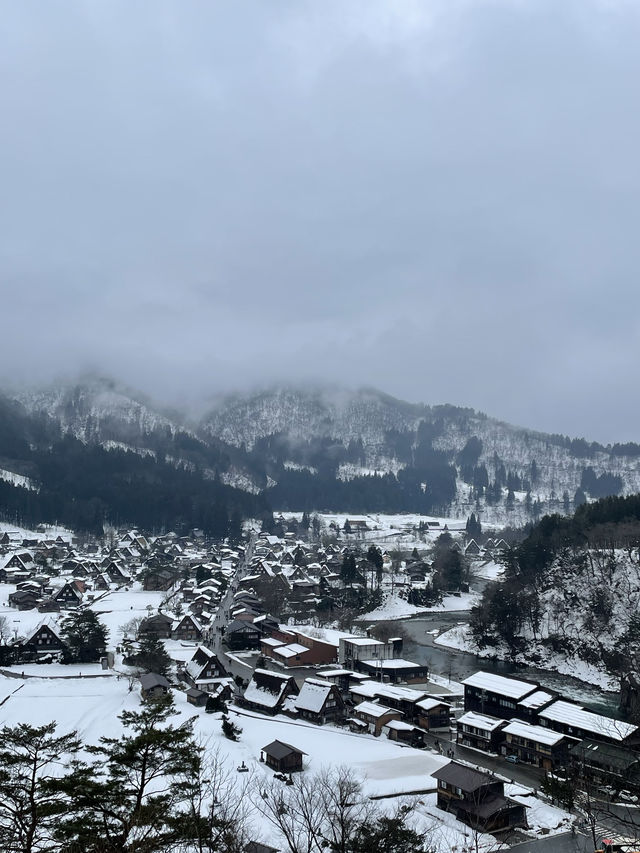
(505, 473)
(96, 409)
(364, 415)
(548, 466)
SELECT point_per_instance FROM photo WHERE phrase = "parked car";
(512, 758)
(626, 797)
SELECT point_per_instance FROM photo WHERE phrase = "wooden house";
(477, 799)
(68, 595)
(204, 670)
(158, 626)
(480, 731)
(432, 714)
(153, 685)
(242, 635)
(282, 757)
(24, 599)
(44, 639)
(375, 716)
(267, 691)
(319, 701)
(196, 697)
(187, 628)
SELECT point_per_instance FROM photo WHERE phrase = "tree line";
(554, 551)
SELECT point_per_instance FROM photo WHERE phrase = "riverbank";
(536, 655)
(393, 607)
(421, 633)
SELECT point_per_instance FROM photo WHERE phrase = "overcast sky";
(439, 198)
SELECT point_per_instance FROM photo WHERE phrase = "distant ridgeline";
(571, 587)
(95, 452)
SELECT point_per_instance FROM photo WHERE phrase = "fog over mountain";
(97, 451)
(434, 197)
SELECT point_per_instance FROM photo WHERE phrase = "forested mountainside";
(48, 475)
(330, 445)
(328, 449)
(572, 587)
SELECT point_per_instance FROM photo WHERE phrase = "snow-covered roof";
(536, 700)
(480, 721)
(390, 691)
(256, 694)
(194, 669)
(578, 718)
(399, 726)
(428, 704)
(392, 663)
(510, 687)
(363, 641)
(313, 694)
(290, 651)
(538, 734)
(372, 709)
(44, 623)
(334, 673)
(329, 641)
(270, 641)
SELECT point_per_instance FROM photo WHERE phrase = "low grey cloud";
(435, 198)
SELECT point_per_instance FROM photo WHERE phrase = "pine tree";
(152, 656)
(374, 556)
(131, 797)
(85, 637)
(348, 569)
(29, 808)
(387, 834)
(229, 729)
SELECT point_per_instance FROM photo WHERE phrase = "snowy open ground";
(20, 533)
(387, 530)
(394, 607)
(91, 706)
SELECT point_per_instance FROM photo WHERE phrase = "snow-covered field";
(118, 607)
(399, 530)
(91, 706)
(394, 607)
(115, 609)
(51, 531)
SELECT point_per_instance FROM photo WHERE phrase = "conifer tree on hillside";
(85, 637)
(30, 758)
(348, 569)
(132, 798)
(152, 656)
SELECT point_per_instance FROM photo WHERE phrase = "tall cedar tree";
(133, 797)
(152, 656)
(85, 637)
(374, 556)
(348, 569)
(29, 758)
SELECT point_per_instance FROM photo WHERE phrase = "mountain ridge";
(326, 444)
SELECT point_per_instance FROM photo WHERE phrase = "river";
(456, 665)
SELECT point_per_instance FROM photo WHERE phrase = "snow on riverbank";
(460, 638)
(394, 607)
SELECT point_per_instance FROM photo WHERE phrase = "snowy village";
(284, 688)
